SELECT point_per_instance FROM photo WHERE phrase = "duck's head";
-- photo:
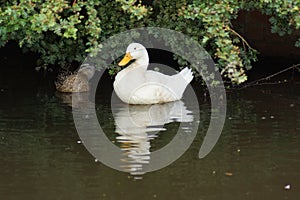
(137, 52)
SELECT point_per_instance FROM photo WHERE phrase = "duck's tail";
(187, 74)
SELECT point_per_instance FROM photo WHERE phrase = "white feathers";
(187, 74)
(137, 85)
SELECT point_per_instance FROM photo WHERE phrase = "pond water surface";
(43, 157)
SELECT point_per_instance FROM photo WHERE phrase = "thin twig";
(74, 2)
(270, 76)
(241, 37)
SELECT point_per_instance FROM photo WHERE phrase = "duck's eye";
(134, 48)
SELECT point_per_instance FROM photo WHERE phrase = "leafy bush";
(63, 32)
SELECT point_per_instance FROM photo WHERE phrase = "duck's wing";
(73, 83)
(66, 84)
(175, 84)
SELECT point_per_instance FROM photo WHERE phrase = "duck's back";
(174, 84)
(73, 83)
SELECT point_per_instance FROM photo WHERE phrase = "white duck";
(137, 85)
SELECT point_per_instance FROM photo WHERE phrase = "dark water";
(42, 156)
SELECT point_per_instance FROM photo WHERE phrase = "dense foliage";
(64, 31)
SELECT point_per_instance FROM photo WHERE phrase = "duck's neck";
(142, 61)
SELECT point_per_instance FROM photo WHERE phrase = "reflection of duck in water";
(77, 82)
(138, 124)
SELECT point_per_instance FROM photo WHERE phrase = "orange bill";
(125, 60)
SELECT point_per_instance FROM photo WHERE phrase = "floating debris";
(79, 141)
(287, 187)
(238, 150)
(67, 148)
(96, 160)
(214, 172)
(272, 117)
(263, 117)
(292, 105)
(229, 118)
(228, 173)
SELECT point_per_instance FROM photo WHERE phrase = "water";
(42, 157)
